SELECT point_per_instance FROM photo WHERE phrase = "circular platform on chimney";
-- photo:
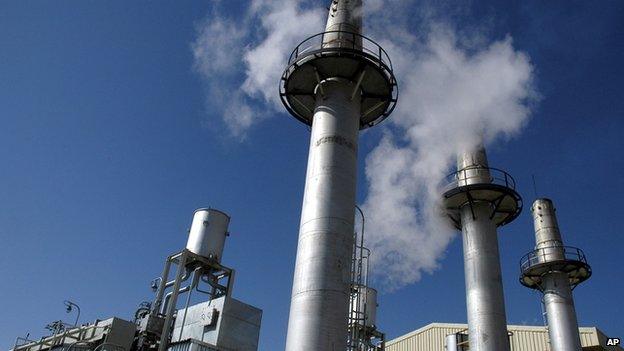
(499, 191)
(352, 56)
(536, 264)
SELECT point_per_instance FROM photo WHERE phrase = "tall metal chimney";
(478, 200)
(338, 82)
(555, 270)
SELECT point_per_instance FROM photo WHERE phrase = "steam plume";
(454, 89)
(232, 57)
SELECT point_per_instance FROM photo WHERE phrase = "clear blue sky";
(107, 146)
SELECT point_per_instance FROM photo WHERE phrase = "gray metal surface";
(225, 323)
(344, 17)
(320, 295)
(170, 308)
(547, 235)
(558, 301)
(192, 345)
(487, 324)
(112, 331)
(474, 167)
(208, 232)
(560, 313)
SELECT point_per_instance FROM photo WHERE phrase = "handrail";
(78, 333)
(568, 253)
(497, 177)
(367, 46)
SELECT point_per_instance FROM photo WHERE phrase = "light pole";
(70, 306)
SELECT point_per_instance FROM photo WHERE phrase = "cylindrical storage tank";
(366, 303)
(208, 232)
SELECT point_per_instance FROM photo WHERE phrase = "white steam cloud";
(454, 89)
(246, 56)
(449, 99)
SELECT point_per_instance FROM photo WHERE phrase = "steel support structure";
(203, 269)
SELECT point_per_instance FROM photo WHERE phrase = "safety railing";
(337, 41)
(545, 254)
(72, 336)
(476, 175)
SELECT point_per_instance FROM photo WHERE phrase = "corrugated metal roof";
(524, 338)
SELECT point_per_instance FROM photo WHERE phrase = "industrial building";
(433, 337)
(217, 323)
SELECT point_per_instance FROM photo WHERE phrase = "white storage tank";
(208, 232)
(366, 303)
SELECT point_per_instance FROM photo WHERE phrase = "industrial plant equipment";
(555, 270)
(339, 82)
(363, 333)
(219, 323)
(456, 342)
(478, 199)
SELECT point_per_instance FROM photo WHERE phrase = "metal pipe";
(558, 300)
(187, 274)
(487, 323)
(168, 297)
(320, 295)
(188, 298)
(161, 286)
(230, 283)
(356, 89)
(164, 338)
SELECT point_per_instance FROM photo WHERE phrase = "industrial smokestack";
(479, 200)
(338, 89)
(555, 270)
